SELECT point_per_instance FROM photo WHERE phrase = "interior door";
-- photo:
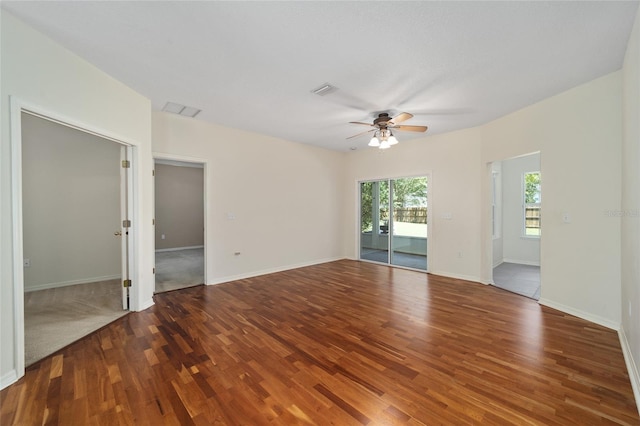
(125, 224)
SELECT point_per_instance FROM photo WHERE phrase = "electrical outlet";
(162, 237)
(26, 263)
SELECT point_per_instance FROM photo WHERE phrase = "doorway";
(394, 222)
(179, 224)
(74, 241)
(517, 224)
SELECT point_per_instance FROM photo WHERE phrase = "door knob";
(118, 233)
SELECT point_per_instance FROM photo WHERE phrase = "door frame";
(162, 156)
(358, 217)
(488, 243)
(17, 107)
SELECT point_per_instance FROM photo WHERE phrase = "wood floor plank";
(344, 343)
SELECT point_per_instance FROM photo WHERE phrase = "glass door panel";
(409, 223)
(374, 221)
(393, 222)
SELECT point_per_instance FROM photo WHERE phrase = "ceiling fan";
(383, 137)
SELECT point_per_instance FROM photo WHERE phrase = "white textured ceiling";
(252, 65)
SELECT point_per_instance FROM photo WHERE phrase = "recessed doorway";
(179, 224)
(517, 224)
(74, 199)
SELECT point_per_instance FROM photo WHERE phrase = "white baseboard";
(178, 248)
(72, 282)
(521, 262)
(580, 314)
(632, 367)
(500, 262)
(458, 276)
(146, 305)
(271, 271)
(8, 378)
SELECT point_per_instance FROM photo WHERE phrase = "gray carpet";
(57, 317)
(179, 269)
(520, 279)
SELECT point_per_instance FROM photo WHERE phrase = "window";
(532, 198)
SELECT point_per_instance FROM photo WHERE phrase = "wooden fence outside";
(410, 215)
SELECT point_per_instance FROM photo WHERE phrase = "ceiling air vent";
(325, 89)
(181, 109)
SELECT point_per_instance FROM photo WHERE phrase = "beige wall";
(276, 202)
(39, 73)
(452, 160)
(179, 198)
(631, 207)
(578, 134)
(71, 205)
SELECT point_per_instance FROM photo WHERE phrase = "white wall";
(516, 248)
(453, 161)
(46, 76)
(284, 198)
(70, 205)
(630, 330)
(578, 133)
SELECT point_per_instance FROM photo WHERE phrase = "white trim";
(146, 305)
(9, 378)
(71, 282)
(18, 253)
(632, 368)
(521, 262)
(458, 276)
(613, 325)
(17, 106)
(272, 270)
(178, 249)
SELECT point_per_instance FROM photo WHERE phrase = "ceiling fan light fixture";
(384, 145)
(374, 142)
(392, 139)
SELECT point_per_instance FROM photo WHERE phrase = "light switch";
(566, 218)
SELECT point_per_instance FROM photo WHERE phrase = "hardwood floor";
(343, 343)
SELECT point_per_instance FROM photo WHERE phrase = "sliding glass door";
(393, 222)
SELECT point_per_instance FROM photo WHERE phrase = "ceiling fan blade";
(359, 122)
(401, 117)
(411, 128)
(360, 134)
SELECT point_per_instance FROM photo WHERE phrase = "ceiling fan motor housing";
(382, 120)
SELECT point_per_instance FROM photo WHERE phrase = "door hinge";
(126, 164)
(126, 283)
(153, 172)
(153, 221)
(154, 270)
(126, 223)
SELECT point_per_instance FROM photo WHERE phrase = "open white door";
(125, 169)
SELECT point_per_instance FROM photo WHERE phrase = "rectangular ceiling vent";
(324, 90)
(181, 109)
